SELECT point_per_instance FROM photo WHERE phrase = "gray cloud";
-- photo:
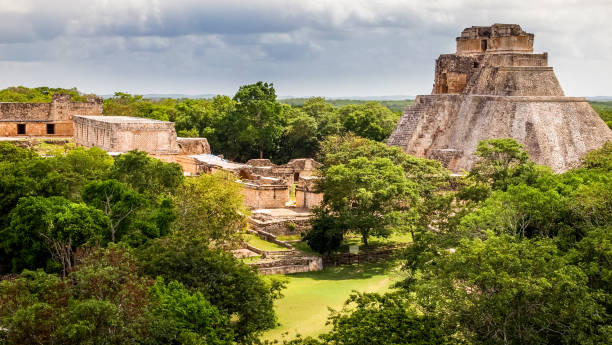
(326, 47)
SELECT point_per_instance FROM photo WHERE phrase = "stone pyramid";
(496, 87)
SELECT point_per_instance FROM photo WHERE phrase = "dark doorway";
(50, 128)
(296, 177)
(21, 128)
(483, 45)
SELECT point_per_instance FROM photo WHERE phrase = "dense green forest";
(510, 253)
(121, 251)
(127, 250)
(395, 106)
(604, 109)
(38, 94)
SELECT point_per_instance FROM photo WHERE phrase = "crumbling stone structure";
(494, 86)
(45, 119)
(290, 172)
(306, 195)
(119, 134)
(265, 192)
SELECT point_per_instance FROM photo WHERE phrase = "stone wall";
(36, 116)
(264, 195)
(306, 195)
(124, 133)
(193, 146)
(290, 265)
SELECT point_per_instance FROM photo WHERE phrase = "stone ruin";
(494, 86)
(264, 184)
(45, 119)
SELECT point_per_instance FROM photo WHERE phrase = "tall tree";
(50, 227)
(257, 104)
(116, 200)
(367, 196)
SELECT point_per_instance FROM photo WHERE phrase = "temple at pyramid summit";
(494, 86)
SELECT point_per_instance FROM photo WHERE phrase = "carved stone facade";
(495, 87)
(44, 119)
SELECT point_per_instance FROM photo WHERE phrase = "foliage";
(394, 106)
(211, 207)
(118, 202)
(371, 120)
(379, 191)
(380, 319)
(501, 162)
(41, 94)
(43, 228)
(505, 290)
(146, 175)
(254, 123)
(186, 318)
(326, 234)
(261, 115)
(230, 285)
(105, 301)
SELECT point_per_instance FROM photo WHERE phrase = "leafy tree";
(118, 202)
(366, 196)
(505, 290)
(230, 285)
(371, 120)
(429, 175)
(13, 154)
(326, 234)
(521, 211)
(501, 162)
(41, 94)
(299, 137)
(147, 175)
(599, 159)
(211, 206)
(256, 103)
(186, 318)
(54, 227)
(106, 301)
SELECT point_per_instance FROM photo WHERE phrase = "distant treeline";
(604, 109)
(41, 94)
(395, 106)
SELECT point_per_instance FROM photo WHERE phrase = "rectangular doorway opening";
(50, 128)
(21, 128)
(483, 45)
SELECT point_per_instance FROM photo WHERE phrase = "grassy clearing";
(289, 237)
(257, 242)
(304, 307)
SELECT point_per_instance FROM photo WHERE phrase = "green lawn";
(257, 242)
(289, 237)
(303, 309)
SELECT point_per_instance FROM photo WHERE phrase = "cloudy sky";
(305, 47)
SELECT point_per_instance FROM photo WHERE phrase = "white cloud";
(306, 47)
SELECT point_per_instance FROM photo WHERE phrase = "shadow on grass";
(346, 272)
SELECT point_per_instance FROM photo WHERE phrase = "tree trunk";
(364, 237)
(260, 154)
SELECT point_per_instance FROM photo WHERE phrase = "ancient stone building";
(494, 86)
(44, 119)
(119, 134)
(306, 195)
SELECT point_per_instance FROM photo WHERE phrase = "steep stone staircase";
(409, 121)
